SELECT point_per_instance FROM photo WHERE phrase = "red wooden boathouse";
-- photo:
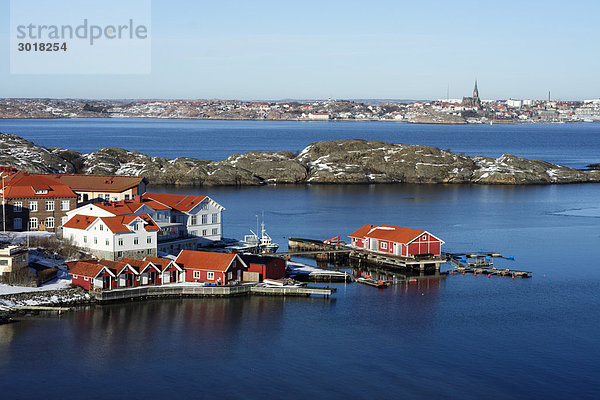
(210, 267)
(396, 240)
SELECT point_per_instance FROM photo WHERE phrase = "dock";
(143, 292)
(482, 263)
(340, 254)
(59, 310)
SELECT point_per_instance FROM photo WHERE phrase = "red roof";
(125, 207)
(98, 183)
(205, 260)
(22, 185)
(162, 263)
(179, 202)
(116, 266)
(118, 224)
(139, 265)
(89, 269)
(389, 232)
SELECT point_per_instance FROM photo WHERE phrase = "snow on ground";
(309, 269)
(56, 284)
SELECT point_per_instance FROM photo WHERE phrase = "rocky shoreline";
(348, 161)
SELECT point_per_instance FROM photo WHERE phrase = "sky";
(346, 50)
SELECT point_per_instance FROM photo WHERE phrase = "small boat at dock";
(373, 282)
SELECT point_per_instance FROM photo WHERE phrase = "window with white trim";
(107, 242)
(204, 219)
(95, 240)
(204, 206)
(50, 222)
(204, 232)
(194, 220)
(33, 223)
(384, 245)
(49, 205)
(215, 218)
(210, 276)
(65, 205)
(84, 239)
(136, 240)
(33, 206)
(149, 239)
(196, 274)
(18, 206)
(74, 276)
(215, 231)
(120, 241)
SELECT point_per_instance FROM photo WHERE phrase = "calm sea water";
(458, 337)
(573, 145)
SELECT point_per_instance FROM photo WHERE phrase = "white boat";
(257, 244)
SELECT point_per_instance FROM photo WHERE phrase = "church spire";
(475, 91)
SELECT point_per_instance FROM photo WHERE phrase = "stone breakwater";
(54, 298)
(348, 161)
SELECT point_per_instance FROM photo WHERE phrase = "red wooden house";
(396, 240)
(90, 275)
(149, 274)
(210, 267)
(266, 266)
(125, 274)
(171, 272)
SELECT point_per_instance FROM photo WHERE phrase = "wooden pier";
(175, 290)
(482, 263)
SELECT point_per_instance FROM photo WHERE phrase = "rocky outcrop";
(340, 161)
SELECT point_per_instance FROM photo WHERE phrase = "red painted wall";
(273, 270)
(389, 246)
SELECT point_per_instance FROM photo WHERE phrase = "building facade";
(210, 267)
(395, 240)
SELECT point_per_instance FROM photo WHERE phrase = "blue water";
(462, 337)
(573, 145)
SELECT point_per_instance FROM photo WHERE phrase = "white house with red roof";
(114, 237)
(396, 240)
(184, 220)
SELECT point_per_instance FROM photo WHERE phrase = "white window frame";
(64, 220)
(215, 218)
(384, 245)
(33, 223)
(136, 240)
(65, 205)
(204, 219)
(49, 205)
(18, 206)
(120, 242)
(33, 206)
(194, 220)
(197, 275)
(149, 239)
(215, 231)
(49, 222)
(210, 276)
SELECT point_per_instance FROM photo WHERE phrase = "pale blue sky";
(348, 49)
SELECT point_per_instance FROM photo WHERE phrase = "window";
(196, 274)
(107, 242)
(194, 220)
(107, 197)
(194, 233)
(101, 227)
(74, 276)
(215, 231)
(149, 239)
(119, 254)
(50, 205)
(50, 222)
(64, 220)
(95, 240)
(33, 223)
(424, 237)
(230, 275)
(85, 278)
(204, 219)
(215, 218)
(100, 196)
(136, 240)
(120, 241)
(17, 223)
(65, 205)
(126, 197)
(210, 276)
(33, 206)
(135, 226)
(41, 191)
(149, 251)
(204, 232)
(18, 206)
(205, 206)
(85, 239)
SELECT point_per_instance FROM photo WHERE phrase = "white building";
(514, 103)
(184, 220)
(114, 237)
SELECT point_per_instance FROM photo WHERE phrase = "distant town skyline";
(270, 50)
